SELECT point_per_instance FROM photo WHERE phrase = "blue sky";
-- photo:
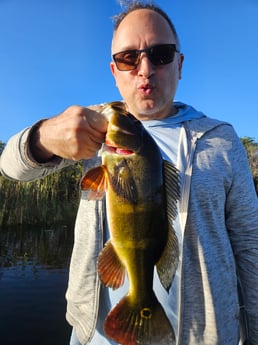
(55, 53)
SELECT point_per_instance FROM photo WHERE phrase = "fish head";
(124, 133)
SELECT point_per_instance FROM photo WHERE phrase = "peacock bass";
(141, 196)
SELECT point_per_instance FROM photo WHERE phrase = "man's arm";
(54, 143)
(242, 223)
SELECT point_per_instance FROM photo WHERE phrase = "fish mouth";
(111, 148)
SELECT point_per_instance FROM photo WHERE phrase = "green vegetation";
(251, 148)
(54, 199)
(48, 201)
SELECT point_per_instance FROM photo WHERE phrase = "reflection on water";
(33, 279)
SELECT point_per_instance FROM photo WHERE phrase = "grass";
(51, 200)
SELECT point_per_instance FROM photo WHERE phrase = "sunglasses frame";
(138, 52)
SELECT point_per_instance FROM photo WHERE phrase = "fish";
(141, 191)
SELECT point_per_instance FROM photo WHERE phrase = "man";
(217, 226)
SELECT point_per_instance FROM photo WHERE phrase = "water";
(33, 279)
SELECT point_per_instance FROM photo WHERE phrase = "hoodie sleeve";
(17, 163)
(242, 224)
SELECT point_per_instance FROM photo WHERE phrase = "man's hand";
(75, 134)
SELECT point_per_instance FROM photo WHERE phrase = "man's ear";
(112, 67)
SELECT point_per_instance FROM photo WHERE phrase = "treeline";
(54, 199)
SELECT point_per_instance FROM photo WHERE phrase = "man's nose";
(145, 67)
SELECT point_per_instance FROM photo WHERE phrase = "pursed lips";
(147, 89)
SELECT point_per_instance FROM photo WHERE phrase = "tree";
(2, 145)
(251, 148)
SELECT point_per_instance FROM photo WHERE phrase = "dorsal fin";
(168, 262)
(172, 188)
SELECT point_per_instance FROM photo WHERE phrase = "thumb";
(96, 119)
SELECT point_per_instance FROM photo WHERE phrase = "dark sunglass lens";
(126, 61)
(159, 55)
(162, 55)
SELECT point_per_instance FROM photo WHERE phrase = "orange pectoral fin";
(110, 269)
(95, 180)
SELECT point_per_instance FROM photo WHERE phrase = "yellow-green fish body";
(140, 224)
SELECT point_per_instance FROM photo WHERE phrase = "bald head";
(137, 5)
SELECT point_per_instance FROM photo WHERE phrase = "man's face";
(147, 90)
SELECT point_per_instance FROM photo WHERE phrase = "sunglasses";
(158, 55)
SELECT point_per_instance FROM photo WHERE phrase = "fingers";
(77, 133)
(95, 119)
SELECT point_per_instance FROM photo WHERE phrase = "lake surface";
(33, 279)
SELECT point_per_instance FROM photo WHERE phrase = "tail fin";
(130, 324)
